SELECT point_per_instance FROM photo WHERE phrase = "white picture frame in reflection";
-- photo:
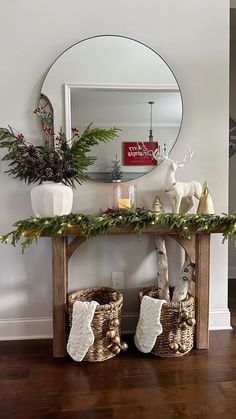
(125, 107)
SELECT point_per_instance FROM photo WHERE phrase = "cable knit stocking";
(81, 335)
(149, 326)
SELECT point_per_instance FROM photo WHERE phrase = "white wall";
(192, 36)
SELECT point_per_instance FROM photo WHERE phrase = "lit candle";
(124, 203)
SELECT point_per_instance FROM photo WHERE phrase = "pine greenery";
(57, 162)
(136, 220)
(116, 171)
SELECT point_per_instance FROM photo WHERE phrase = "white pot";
(50, 199)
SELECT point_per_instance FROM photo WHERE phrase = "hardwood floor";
(201, 385)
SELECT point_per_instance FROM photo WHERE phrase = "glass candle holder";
(124, 196)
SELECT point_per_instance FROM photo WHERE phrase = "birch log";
(182, 284)
(162, 268)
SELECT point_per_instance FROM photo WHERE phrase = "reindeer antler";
(191, 153)
(186, 159)
(153, 153)
(164, 156)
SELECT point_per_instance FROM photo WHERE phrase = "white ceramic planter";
(51, 199)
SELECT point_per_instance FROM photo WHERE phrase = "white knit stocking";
(149, 326)
(81, 335)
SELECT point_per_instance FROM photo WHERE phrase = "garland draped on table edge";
(96, 225)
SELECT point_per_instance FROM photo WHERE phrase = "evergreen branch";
(29, 230)
(43, 163)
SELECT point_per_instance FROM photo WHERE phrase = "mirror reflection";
(114, 81)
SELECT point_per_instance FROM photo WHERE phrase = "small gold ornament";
(191, 321)
(174, 346)
(182, 348)
(205, 205)
(115, 349)
(184, 314)
(124, 346)
(110, 334)
(157, 205)
(115, 322)
(183, 326)
(116, 340)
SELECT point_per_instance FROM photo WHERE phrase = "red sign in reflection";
(139, 153)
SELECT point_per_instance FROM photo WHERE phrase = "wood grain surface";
(132, 385)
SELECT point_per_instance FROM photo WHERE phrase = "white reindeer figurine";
(176, 190)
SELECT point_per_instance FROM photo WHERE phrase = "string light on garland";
(97, 225)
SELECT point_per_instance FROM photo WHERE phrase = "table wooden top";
(151, 229)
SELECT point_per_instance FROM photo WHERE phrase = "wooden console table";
(197, 249)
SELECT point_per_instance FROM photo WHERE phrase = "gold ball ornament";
(182, 348)
(183, 326)
(116, 340)
(110, 334)
(191, 322)
(124, 346)
(184, 314)
(115, 349)
(174, 346)
(115, 322)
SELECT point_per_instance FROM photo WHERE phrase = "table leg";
(59, 276)
(202, 290)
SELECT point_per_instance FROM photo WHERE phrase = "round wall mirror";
(114, 81)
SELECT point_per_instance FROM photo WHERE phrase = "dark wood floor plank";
(152, 396)
(201, 385)
(228, 389)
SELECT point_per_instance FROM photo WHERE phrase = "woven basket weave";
(170, 321)
(109, 308)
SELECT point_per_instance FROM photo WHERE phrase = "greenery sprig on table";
(97, 225)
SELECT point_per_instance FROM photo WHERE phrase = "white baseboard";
(232, 272)
(41, 327)
(219, 319)
(26, 328)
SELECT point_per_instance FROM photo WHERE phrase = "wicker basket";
(177, 338)
(105, 323)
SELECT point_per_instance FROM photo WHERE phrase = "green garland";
(92, 226)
